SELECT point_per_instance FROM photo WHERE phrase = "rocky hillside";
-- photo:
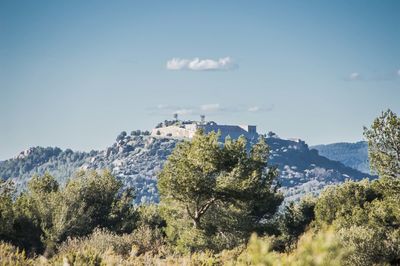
(137, 158)
(39, 160)
(354, 155)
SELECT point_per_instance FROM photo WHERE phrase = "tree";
(384, 144)
(295, 219)
(46, 214)
(93, 200)
(6, 210)
(216, 193)
(366, 216)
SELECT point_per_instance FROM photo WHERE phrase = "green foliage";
(294, 221)
(213, 195)
(108, 247)
(46, 214)
(150, 216)
(92, 200)
(6, 210)
(322, 248)
(12, 256)
(140, 241)
(344, 202)
(384, 145)
(367, 217)
(39, 160)
(87, 257)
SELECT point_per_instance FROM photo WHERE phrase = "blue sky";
(74, 74)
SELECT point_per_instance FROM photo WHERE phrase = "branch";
(190, 214)
(205, 207)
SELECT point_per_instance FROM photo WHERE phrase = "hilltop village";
(185, 129)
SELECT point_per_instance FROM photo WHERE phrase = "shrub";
(321, 248)
(367, 217)
(11, 255)
(87, 257)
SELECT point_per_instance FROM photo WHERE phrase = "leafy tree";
(295, 219)
(93, 200)
(46, 214)
(214, 194)
(6, 210)
(367, 217)
(149, 215)
(121, 136)
(342, 202)
(384, 144)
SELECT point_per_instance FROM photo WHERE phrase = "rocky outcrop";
(136, 160)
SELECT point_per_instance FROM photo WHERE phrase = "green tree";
(366, 216)
(46, 214)
(93, 200)
(6, 210)
(215, 194)
(384, 144)
(295, 219)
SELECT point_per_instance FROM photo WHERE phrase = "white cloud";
(177, 64)
(198, 64)
(184, 112)
(355, 76)
(213, 107)
(257, 108)
(162, 106)
(254, 109)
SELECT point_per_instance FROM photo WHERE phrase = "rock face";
(137, 158)
(39, 160)
(303, 170)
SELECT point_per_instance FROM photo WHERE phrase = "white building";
(187, 129)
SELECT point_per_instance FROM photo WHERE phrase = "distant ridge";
(354, 155)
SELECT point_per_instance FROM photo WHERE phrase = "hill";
(137, 158)
(354, 155)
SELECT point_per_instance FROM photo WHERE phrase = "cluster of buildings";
(186, 129)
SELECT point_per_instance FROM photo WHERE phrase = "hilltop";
(136, 159)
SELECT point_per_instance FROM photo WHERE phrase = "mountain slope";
(136, 159)
(39, 160)
(354, 155)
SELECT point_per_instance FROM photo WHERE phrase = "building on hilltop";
(186, 129)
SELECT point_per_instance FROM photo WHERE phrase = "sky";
(74, 74)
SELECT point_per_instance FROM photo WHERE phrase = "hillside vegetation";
(354, 155)
(218, 206)
(137, 158)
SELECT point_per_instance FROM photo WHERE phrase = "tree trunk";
(196, 223)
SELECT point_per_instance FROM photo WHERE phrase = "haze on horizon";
(74, 74)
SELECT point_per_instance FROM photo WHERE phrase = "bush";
(367, 217)
(321, 248)
(149, 215)
(87, 256)
(45, 214)
(142, 240)
(294, 221)
(11, 255)
(101, 240)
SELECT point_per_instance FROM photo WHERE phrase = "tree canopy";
(217, 191)
(384, 144)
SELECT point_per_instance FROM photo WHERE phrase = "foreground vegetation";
(219, 206)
